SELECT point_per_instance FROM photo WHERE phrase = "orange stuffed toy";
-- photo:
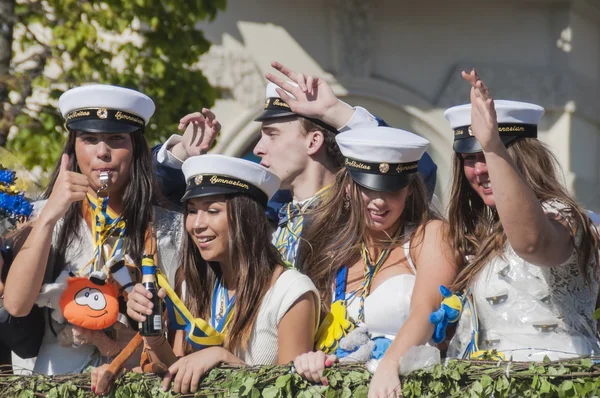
(90, 303)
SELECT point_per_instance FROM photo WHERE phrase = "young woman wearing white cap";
(377, 254)
(527, 250)
(265, 313)
(106, 152)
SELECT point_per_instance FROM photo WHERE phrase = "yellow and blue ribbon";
(336, 324)
(199, 333)
(371, 270)
(106, 224)
(472, 351)
(221, 307)
(290, 226)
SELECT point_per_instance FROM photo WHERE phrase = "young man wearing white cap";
(531, 248)
(299, 124)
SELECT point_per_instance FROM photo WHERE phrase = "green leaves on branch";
(141, 44)
(575, 378)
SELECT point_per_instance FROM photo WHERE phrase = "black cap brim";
(200, 191)
(272, 114)
(102, 126)
(471, 145)
(379, 182)
(203, 191)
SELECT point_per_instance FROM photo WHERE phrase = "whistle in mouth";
(104, 179)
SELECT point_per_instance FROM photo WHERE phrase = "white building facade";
(402, 61)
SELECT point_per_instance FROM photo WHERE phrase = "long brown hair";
(335, 232)
(139, 196)
(476, 230)
(255, 259)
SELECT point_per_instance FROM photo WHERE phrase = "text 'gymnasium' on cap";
(275, 107)
(381, 158)
(515, 120)
(208, 175)
(102, 108)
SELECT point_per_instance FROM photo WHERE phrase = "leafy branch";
(456, 378)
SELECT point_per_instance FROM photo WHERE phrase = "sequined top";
(527, 311)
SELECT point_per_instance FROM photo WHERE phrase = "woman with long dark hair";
(527, 250)
(98, 208)
(233, 276)
(377, 253)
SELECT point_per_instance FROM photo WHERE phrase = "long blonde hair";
(335, 231)
(476, 230)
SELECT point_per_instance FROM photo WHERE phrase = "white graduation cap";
(515, 120)
(275, 107)
(381, 158)
(102, 108)
(208, 175)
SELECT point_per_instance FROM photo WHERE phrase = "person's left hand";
(199, 135)
(313, 96)
(484, 123)
(189, 369)
(385, 382)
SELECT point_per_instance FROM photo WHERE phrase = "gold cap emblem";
(198, 179)
(102, 113)
(384, 168)
(470, 131)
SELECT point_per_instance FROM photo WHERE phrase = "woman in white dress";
(527, 250)
(232, 276)
(376, 252)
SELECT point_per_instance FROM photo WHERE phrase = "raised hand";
(201, 130)
(484, 124)
(313, 96)
(69, 187)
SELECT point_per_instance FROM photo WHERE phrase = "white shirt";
(263, 342)
(387, 307)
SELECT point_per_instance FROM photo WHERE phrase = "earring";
(346, 202)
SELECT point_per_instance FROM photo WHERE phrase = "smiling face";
(206, 222)
(89, 305)
(384, 209)
(97, 152)
(476, 172)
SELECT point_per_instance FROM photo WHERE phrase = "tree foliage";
(147, 45)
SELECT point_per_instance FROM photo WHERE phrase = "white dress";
(55, 359)
(262, 346)
(388, 306)
(527, 312)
